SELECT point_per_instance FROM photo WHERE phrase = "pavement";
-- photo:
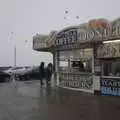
(30, 101)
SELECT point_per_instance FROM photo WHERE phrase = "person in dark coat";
(41, 72)
(48, 73)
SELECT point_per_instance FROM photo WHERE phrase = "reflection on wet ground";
(32, 102)
(71, 105)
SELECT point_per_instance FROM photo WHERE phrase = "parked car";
(15, 70)
(31, 73)
(23, 73)
(4, 77)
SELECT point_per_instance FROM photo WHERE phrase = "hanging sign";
(67, 37)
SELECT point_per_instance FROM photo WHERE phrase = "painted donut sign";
(94, 30)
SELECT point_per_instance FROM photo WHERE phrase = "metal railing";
(37, 44)
(44, 41)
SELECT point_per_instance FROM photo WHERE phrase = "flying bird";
(26, 41)
(77, 17)
(66, 11)
(64, 17)
(12, 33)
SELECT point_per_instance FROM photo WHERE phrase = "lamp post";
(14, 50)
(14, 56)
(12, 34)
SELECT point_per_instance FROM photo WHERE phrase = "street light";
(14, 52)
(14, 56)
(12, 34)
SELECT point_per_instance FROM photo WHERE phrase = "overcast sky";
(27, 17)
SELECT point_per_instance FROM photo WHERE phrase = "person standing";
(13, 79)
(41, 73)
(48, 72)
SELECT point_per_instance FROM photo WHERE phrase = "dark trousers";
(48, 79)
(41, 80)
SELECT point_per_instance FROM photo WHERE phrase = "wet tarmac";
(29, 101)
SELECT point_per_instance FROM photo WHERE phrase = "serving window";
(76, 60)
(109, 54)
(111, 68)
